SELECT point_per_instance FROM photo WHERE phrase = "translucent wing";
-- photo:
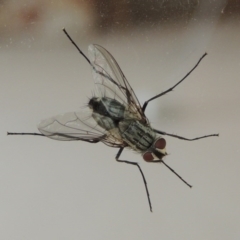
(111, 82)
(78, 126)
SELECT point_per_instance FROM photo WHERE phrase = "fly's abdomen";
(107, 107)
(104, 122)
(138, 136)
(114, 108)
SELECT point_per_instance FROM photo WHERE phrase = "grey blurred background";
(74, 190)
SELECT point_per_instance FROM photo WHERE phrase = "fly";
(114, 115)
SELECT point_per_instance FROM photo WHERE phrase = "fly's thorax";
(107, 107)
(156, 152)
(136, 134)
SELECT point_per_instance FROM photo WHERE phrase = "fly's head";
(156, 152)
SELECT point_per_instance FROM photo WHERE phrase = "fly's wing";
(111, 82)
(77, 126)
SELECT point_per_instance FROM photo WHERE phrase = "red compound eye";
(160, 143)
(148, 157)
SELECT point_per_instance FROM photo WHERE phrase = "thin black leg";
(103, 72)
(159, 156)
(34, 134)
(170, 89)
(183, 138)
(176, 174)
(80, 51)
(161, 161)
(58, 134)
(136, 164)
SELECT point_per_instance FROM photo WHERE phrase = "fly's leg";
(183, 138)
(80, 51)
(161, 161)
(136, 164)
(177, 174)
(170, 89)
(34, 134)
(63, 135)
(91, 64)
